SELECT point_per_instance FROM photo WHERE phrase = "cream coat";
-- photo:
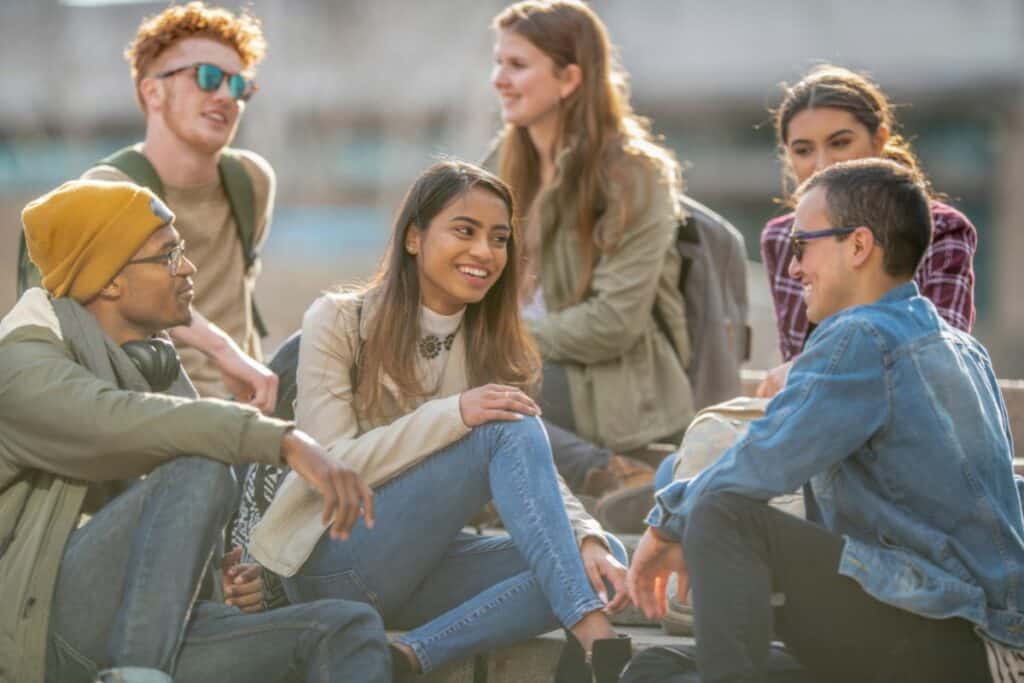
(378, 448)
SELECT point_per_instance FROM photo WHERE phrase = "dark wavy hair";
(837, 88)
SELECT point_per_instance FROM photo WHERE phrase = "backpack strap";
(136, 166)
(242, 198)
(686, 232)
(238, 187)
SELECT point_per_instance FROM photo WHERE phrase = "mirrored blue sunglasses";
(210, 76)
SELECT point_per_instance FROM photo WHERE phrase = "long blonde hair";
(498, 347)
(595, 118)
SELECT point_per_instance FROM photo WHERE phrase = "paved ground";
(534, 662)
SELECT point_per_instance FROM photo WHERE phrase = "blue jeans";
(462, 594)
(126, 597)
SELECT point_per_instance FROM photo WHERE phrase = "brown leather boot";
(654, 453)
(621, 471)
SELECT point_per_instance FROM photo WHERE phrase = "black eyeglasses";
(172, 259)
(210, 76)
(799, 238)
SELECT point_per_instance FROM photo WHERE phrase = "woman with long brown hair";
(600, 201)
(421, 382)
(833, 114)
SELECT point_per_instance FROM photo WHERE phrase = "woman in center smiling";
(421, 383)
(600, 200)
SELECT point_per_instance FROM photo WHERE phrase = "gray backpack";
(713, 281)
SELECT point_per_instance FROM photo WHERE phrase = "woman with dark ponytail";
(834, 114)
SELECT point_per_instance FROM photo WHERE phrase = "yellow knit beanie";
(81, 234)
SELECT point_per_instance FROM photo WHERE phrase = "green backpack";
(237, 186)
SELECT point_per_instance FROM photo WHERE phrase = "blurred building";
(357, 96)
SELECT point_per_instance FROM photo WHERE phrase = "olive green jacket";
(627, 383)
(63, 426)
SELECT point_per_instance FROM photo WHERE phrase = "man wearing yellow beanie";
(81, 421)
(111, 221)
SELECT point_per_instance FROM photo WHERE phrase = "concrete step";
(534, 661)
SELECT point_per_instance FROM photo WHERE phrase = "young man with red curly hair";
(192, 66)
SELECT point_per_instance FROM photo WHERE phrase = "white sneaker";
(132, 674)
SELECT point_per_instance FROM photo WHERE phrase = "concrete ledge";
(534, 661)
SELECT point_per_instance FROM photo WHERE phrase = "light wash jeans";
(126, 597)
(463, 594)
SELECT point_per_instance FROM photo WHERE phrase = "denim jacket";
(896, 420)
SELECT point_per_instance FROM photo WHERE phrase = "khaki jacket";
(62, 427)
(379, 448)
(628, 385)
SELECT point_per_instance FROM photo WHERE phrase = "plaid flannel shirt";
(946, 275)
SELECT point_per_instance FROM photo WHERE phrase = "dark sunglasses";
(799, 238)
(210, 76)
(172, 259)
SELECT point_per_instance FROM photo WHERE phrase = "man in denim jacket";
(915, 567)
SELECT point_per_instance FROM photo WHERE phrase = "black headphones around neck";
(157, 360)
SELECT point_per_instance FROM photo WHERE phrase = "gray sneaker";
(678, 619)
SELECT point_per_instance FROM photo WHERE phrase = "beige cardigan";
(408, 431)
